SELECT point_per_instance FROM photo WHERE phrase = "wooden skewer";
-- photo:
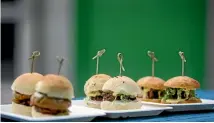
(99, 54)
(154, 59)
(33, 57)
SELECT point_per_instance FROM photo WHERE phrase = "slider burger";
(181, 89)
(23, 87)
(119, 93)
(152, 88)
(52, 97)
(93, 90)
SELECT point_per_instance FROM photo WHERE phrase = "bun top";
(151, 82)
(95, 83)
(25, 83)
(55, 86)
(122, 85)
(182, 82)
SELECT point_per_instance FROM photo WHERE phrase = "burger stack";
(50, 95)
(123, 93)
(41, 96)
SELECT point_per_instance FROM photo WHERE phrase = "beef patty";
(50, 111)
(108, 96)
(21, 98)
(97, 98)
(50, 105)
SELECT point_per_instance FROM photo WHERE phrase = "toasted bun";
(152, 100)
(55, 86)
(182, 82)
(119, 105)
(25, 83)
(92, 104)
(95, 83)
(122, 84)
(174, 101)
(36, 114)
(21, 109)
(151, 82)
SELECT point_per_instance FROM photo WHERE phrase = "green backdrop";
(133, 27)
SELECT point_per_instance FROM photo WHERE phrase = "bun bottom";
(119, 105)
(92, 104)
(174, 101)
(37, 114)
(21, 109)
(152, 100)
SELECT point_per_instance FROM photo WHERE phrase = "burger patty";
(50, 103)
(108, 96)
(21, 98)
(153, 94)
(97, 98)
(49, 111)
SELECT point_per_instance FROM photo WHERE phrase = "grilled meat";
(50, 103)
(97, 98)
(108, 96)
(50, 111)
(152, 93)
(21, 98)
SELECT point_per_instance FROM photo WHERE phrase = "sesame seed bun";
(122, 84)
(95, 83)
(55, 86)
(182, 82)
(25, 83)
(151, 82)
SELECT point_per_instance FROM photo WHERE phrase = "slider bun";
(122, 84)
(55, 86)
(21, 109)
(175, 101)
(36, 114)
(25, 83)
(152, 100)
(182, 82)
(95, 83)
(151, 82)
(119, 105)
(93, 104)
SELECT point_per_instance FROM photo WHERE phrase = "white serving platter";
(146, 110)
(205, 105)
(78, 114)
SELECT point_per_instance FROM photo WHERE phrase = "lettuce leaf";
(176, 93)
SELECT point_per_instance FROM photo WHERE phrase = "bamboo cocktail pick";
(120, 59)
(60, 61)
(99, 54)
(183, 61)
(154, 59)
(33, 57)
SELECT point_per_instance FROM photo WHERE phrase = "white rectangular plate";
(78, 114)
(146, 110)
(205, 105)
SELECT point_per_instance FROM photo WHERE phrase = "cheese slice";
(95, 93)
